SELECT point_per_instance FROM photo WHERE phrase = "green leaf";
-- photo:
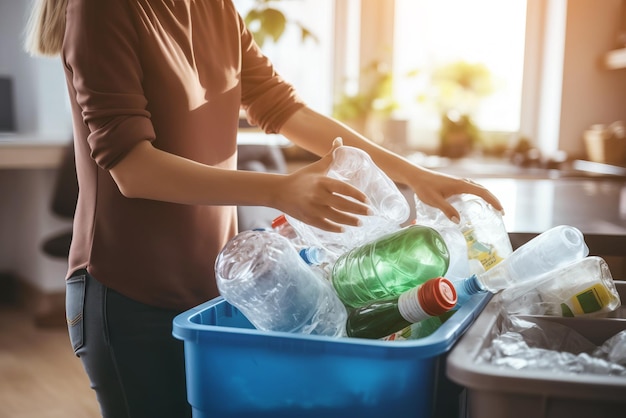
(273, 23)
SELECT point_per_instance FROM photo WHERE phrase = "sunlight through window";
(434, 35)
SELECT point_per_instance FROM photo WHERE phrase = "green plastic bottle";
(390, 265)
(381, 318)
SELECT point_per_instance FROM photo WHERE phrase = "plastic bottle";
(466, 288)
(381, 318)
(390, 265)
(261, 274)
(281, 225)
(317, 259)
(584, 287)
(480, 228)
(547, 251)
(388, 205)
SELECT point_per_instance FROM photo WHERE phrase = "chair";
(64, 199)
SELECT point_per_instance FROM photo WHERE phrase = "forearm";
(315, 133)
(149, 173)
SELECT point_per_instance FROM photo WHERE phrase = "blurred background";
(452, 84)
(528, 96)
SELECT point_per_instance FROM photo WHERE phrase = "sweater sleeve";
(268, 99)
(101, 52)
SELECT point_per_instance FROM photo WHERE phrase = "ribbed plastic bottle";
(262, 275)
(388, 205)
(582, 288)
(477, 243)
(390, 265)
(381, 318)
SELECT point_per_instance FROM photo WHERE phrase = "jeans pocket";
(74, 308)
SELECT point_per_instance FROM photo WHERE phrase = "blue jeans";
(135, 365)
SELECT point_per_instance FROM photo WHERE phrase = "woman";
(156, 87)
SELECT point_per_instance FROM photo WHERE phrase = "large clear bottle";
(550, 250)
(381, 318)
(390, 265)
(554, 248)
(262, 275)
(389, 207)
(477, 243)
(582, 288)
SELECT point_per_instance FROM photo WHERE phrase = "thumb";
(337, 142)
(328, 158)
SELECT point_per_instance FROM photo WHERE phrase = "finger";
(448, 210)
(348, 205)
(329, 219)
(336, 186)
(485, 194)
(327, 159)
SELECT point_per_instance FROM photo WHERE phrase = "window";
(414, 37)
(488, 34)
(307, 64)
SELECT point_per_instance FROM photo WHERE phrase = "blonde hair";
(46, 27)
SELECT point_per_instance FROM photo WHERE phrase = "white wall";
(42, 112)
(591, 93)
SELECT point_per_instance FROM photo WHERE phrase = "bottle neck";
(472, 285)
(313, 255)
(409, 306)
(434, 297)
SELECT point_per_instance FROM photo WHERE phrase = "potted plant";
(376, 101)
(459, 86)
(266, 21)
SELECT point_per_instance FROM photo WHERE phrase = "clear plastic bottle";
(584, 287)
(317, 259)
(481, 227)
(262, 275)
(547, 251)
(390, 265)
(388, 205)
(381, 318)
(281, 225)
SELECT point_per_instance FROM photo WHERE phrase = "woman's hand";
(434, 188)
(309, 195)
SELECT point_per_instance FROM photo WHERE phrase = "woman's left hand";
(435, 188)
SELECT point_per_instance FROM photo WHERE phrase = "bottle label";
(477, 250)
(590, 300)
(401, 335)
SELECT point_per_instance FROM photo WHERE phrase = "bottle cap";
(279, 220)
(437, 296)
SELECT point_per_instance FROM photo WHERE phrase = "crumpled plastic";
(539, 344)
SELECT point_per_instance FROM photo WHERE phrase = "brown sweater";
(174, 72)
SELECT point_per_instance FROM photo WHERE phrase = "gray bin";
(494, 392)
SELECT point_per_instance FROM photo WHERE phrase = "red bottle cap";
(279, 220)
(437, 296)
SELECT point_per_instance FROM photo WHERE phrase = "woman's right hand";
(309, 195)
